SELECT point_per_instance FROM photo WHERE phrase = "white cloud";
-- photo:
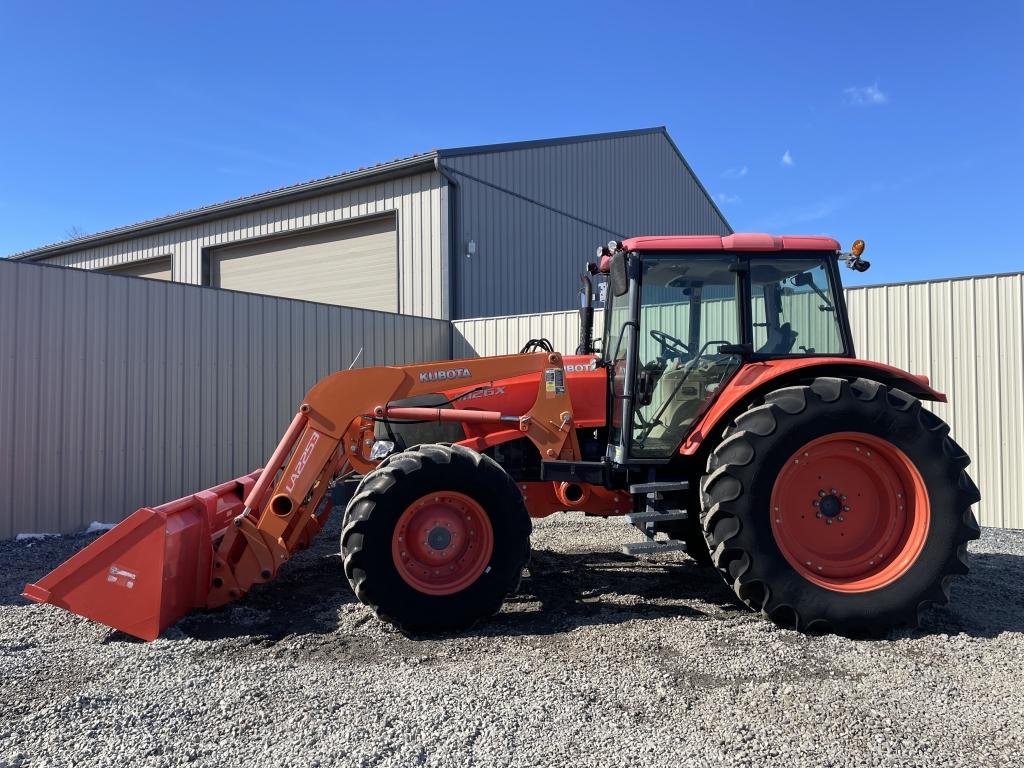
(735, 173)
(787, 158)
(866, 96)
(724, 198)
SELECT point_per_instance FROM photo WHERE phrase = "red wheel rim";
(442, 543)
(850, 512)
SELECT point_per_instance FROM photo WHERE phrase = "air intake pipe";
(586, 345)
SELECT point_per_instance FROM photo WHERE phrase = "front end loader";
(722, 411)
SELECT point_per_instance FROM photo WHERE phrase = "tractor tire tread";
(726, 505)
(370, 501)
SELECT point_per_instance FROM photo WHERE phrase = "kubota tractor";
(724, 412)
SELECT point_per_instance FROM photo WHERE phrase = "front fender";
(757, 378)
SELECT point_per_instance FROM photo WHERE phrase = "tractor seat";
(780, 341)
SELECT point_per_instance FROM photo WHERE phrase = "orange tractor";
(724, 412)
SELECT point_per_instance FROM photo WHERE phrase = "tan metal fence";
(966, 334)
(118, 392)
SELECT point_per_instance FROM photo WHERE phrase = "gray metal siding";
(536, 215)
(117, 392)
(419, 202)
(966, 335)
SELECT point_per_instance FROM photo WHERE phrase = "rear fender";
(755, 379)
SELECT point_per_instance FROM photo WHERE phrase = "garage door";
(355, 265)
(154, 269)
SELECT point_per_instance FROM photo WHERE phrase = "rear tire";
(472, 545)
(910, 502)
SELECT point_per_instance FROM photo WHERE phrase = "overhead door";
(154, 269)
(355, 265)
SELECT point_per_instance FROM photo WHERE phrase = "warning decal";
(554, 381)
(121, 577)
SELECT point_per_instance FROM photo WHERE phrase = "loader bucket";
(148, 571)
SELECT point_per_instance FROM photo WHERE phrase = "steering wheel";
(670, 345)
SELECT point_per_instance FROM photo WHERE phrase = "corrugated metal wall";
(518, 205)
(966, 334)
(420, 202)
(117, 392)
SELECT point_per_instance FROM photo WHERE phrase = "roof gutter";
(453, 244)
(256, 202)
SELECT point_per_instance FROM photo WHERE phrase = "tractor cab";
(683, 314)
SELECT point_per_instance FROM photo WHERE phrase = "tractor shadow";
(559, 592)
(565, 590)
(562, 591)
(984, 604)
(305, 599)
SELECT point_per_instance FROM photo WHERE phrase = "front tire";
(841, 506)
(435, 538)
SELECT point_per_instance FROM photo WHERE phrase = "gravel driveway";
(601, 660)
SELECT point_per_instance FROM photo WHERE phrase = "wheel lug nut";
(815, 504)
(817, 514)
(829, 521)
(821, 493)
(840, 518)
(846, 509)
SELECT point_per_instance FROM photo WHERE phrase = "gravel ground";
(600, 660)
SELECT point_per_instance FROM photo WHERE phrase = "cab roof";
(747, 241)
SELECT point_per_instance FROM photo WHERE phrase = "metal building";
(452, 233)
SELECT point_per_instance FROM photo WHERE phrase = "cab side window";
(793, 308)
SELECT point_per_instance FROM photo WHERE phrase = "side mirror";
(617, 274)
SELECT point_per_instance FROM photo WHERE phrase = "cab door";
(683, 309)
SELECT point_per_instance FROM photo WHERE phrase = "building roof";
(741, 241)
(393, 169)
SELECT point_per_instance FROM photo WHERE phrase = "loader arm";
(331, 435)
(210, 548)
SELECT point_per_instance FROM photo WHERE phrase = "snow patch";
(95, 527)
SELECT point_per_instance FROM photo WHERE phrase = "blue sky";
(901, 123)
